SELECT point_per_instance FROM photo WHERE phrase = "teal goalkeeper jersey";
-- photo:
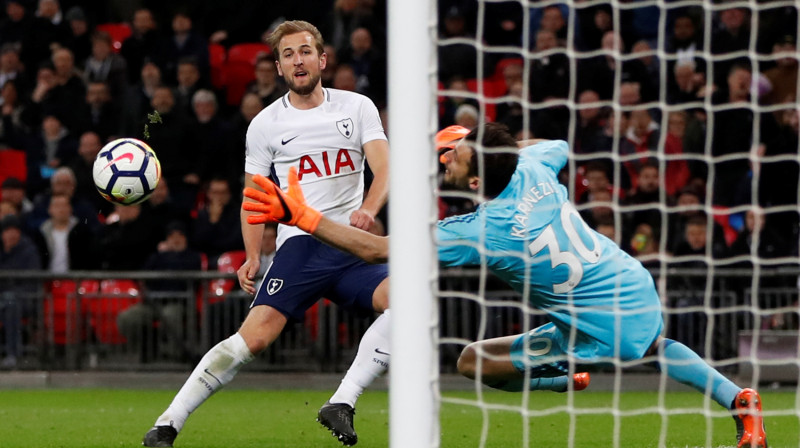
(532, 237)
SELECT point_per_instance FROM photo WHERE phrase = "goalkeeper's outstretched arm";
(290, 208)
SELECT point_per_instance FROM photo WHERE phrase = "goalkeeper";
(531, 236)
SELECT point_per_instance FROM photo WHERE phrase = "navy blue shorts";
(305, 269)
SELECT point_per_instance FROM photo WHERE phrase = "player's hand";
(247, 273)
(275, 205)
(362, 220)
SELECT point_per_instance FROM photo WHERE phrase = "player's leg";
(217, 368)
(363, 286)
(289, 289)
(501, 362)
(682, 364)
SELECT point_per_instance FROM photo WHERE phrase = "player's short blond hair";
(293, 27)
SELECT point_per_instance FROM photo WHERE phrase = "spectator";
(783, 77)
(65, 91)
(456, 59)
(643, 136)
(686, 84)
(78, 38)
(126, 231)
(173, 254)
(605, 226)
(467, 116)
(369, 65)
(549, 73)
(734, 138)
(212, 233)
(17, 118)
(142, 45)
(46, 28)
(771, 242)
(15, 25)
(100, 113)
(161, 210)
(598, 209)
(775, 177)
(188, 84)
(552, 18)
(171, 141)
(593, 23)
(13, 190)
(209, 140)
(731, 35)
(678, 173)
(106, 66)
(16, 296)
(65, 243)
(48, 150)
(684, 38)
(139, 98)
(646, 193)
(11, 68)
(268, 85)
(590, 136)
(62, 182)
(456, 96)
(89, 146)
(345, 78)
(644, 245)
(182, 42)
(511, 112)
(331, 64)
(599, 73)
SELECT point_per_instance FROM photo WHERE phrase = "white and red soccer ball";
(126, 171)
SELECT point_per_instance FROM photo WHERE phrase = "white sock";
(215, 370)
(372, 361)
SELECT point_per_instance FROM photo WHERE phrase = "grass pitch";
(257, 418)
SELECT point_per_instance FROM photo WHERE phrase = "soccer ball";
(126, 171)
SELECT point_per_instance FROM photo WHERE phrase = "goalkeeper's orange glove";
(275, 205)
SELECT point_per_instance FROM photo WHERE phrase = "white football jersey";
(325, 144)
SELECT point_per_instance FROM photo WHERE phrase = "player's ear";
(278, 65)
(474, 183)
(323, 61)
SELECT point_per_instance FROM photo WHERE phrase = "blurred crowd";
(683, 121)
(684, 146)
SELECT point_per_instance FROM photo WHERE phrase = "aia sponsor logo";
(326, 164)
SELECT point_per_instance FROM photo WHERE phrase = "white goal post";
(413, 392)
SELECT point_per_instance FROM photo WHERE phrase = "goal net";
(682, 123)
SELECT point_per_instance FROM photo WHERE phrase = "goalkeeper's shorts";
(305, 269)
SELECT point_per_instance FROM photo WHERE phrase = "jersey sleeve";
(371, 126)
(457, 240)
(258, 155)
(552, 153)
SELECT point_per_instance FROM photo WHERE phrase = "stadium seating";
(237, 75)
(216, 60)
(118, 32)
(228, 262)
(247, 52)
(62, 320)
(104, 305)
(13, 164)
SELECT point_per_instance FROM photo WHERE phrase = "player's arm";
(377, 152)
(251, 233)
(272, 204)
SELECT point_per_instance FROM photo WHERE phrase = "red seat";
(229, 263)
(118, 32)
(216, 60)
(13, 164)
(113, 297)
(237, 75)
(61, 317)
(247, 52)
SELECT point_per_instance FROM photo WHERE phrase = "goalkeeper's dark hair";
(499, 155)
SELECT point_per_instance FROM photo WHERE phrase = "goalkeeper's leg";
(684, 365)
(501, 363)
(216, 369)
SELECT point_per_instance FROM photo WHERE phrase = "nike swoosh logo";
(127, 155)
(377, 350)
(283, 142)
(212, 376)
(287, 213)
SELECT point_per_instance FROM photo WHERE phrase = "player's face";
(300, 63)
(457, 168)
